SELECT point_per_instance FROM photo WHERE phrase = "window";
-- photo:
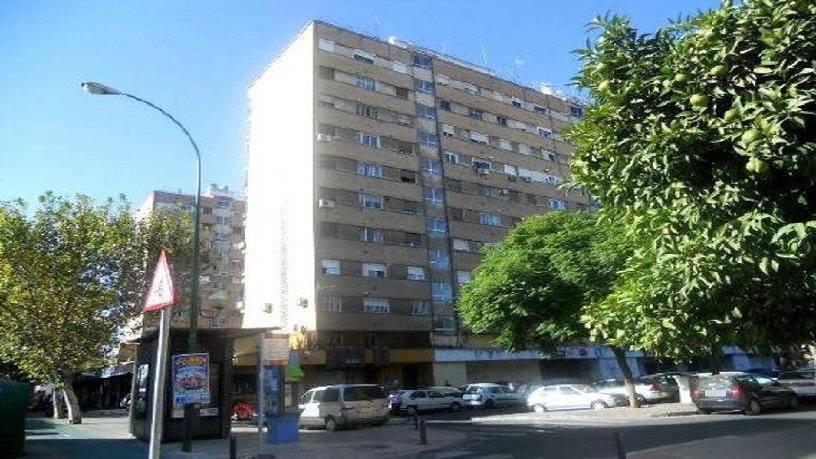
(448, 130)
(434, 196)
(326, 73)
(441, 291)
(431, 166)
(371, 170)
(371, 202)
(326, 45)
(436, 226)
(478, 137)
(556, 204)
(461, 245)
(489, 219)
(480, 164)
(374, 270)
(426, 111)
(372, 235)
(451, 157)
(548, 155)
(407, 176)
(453, 185)
(516, 103)
(439, 258)
(222, 220)
(501, 121)
(364, 57)
(366, 83)
(413, 239)
(475, 113)
(401, 93)
(505, 144)
(419, 308)
(544, 132)
(462, 277)
(365, 110)
(510, 170)
(540, 110)
(423, 61)
(332, 303)
(416, 273)
(445, 105)
(524, 149)
(576, 111)
(331, 267)
(223, 204)
(423, 86)
(486, 191)
(427, 139)
(368, 140)
(376, 305)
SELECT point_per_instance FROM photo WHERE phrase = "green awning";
(293, 371)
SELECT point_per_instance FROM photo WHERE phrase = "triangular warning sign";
(163, 291)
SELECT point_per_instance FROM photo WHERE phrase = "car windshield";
(473, 390)
(717, 382)
(583, 387)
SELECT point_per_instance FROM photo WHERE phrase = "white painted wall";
(280, 197)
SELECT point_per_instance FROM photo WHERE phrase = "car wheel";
(793, 403)
(331, 424)
(539, 408)
(641, 399)
(598, 405)
(489, 404)
(455, 407)
(754, 408)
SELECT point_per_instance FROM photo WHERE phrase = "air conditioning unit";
(324, 138)
(325, 204)
(483, 171)
(512, 178)
(527, 179)
(504, 191)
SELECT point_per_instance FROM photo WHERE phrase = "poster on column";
(191, 380)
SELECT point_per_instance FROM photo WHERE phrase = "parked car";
(447, 390)
(335, 407)
(751, 394)
(571, 397)
(767, 372)
(658, 387)
(414, 401)
(802, 381)
(489, 395)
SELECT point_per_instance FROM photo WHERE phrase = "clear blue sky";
(196, 59)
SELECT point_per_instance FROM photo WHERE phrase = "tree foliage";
(72, 274)
(531, 288)
(701, 139)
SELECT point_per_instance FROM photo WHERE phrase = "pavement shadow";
(80, 448)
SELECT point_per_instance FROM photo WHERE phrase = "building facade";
(377, 172)
(222, 258)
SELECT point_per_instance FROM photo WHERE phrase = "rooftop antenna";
(376, 26)
(484, 56)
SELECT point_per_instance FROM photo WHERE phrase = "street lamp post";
(192, 336)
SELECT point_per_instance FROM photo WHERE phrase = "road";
(522, 435)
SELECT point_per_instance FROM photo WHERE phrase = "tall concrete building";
(377, 171)
(222, 253)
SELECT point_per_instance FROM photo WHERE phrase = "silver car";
(570, 397)
(802, 381)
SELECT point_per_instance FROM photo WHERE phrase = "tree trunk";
(74, 413)
(58, 402)
(620, 357)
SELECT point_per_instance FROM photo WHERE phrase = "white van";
(335, 407)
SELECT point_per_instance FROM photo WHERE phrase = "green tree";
(533, 289)
(701, 139)
(72, 274)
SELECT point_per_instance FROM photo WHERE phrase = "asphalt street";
(782, 435)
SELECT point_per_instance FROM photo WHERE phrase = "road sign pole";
(160, 376)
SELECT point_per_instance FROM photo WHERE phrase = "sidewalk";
(617, 415)
(105, 434)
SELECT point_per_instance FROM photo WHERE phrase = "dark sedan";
(751, 394)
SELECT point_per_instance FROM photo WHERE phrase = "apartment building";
(377, 171)
(222, 259)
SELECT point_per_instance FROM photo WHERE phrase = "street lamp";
(192, 336)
